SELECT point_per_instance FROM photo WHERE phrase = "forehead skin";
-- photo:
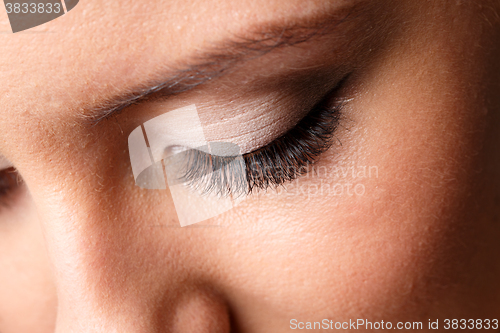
(420, 244)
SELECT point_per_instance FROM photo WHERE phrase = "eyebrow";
(221, 58)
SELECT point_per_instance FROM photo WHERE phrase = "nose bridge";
(114, 270)
(104, 266)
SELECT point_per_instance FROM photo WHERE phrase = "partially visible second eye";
(10, 182)
(270, 166)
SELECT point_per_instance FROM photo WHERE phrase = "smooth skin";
(82, 249)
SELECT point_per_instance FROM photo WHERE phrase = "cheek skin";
(432, 138)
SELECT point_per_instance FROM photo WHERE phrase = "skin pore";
(82, 249)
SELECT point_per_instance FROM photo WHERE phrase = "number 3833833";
(28, 14)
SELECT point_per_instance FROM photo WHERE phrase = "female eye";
(270, 166)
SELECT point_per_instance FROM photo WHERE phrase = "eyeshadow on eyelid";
(252, 126)
(279, 161)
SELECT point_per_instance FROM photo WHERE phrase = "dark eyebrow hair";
(221, 58)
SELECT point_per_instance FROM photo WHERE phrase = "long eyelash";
(270, 166)
(222, 175)
(287, 157)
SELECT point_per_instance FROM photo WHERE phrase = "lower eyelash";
(281, 161)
